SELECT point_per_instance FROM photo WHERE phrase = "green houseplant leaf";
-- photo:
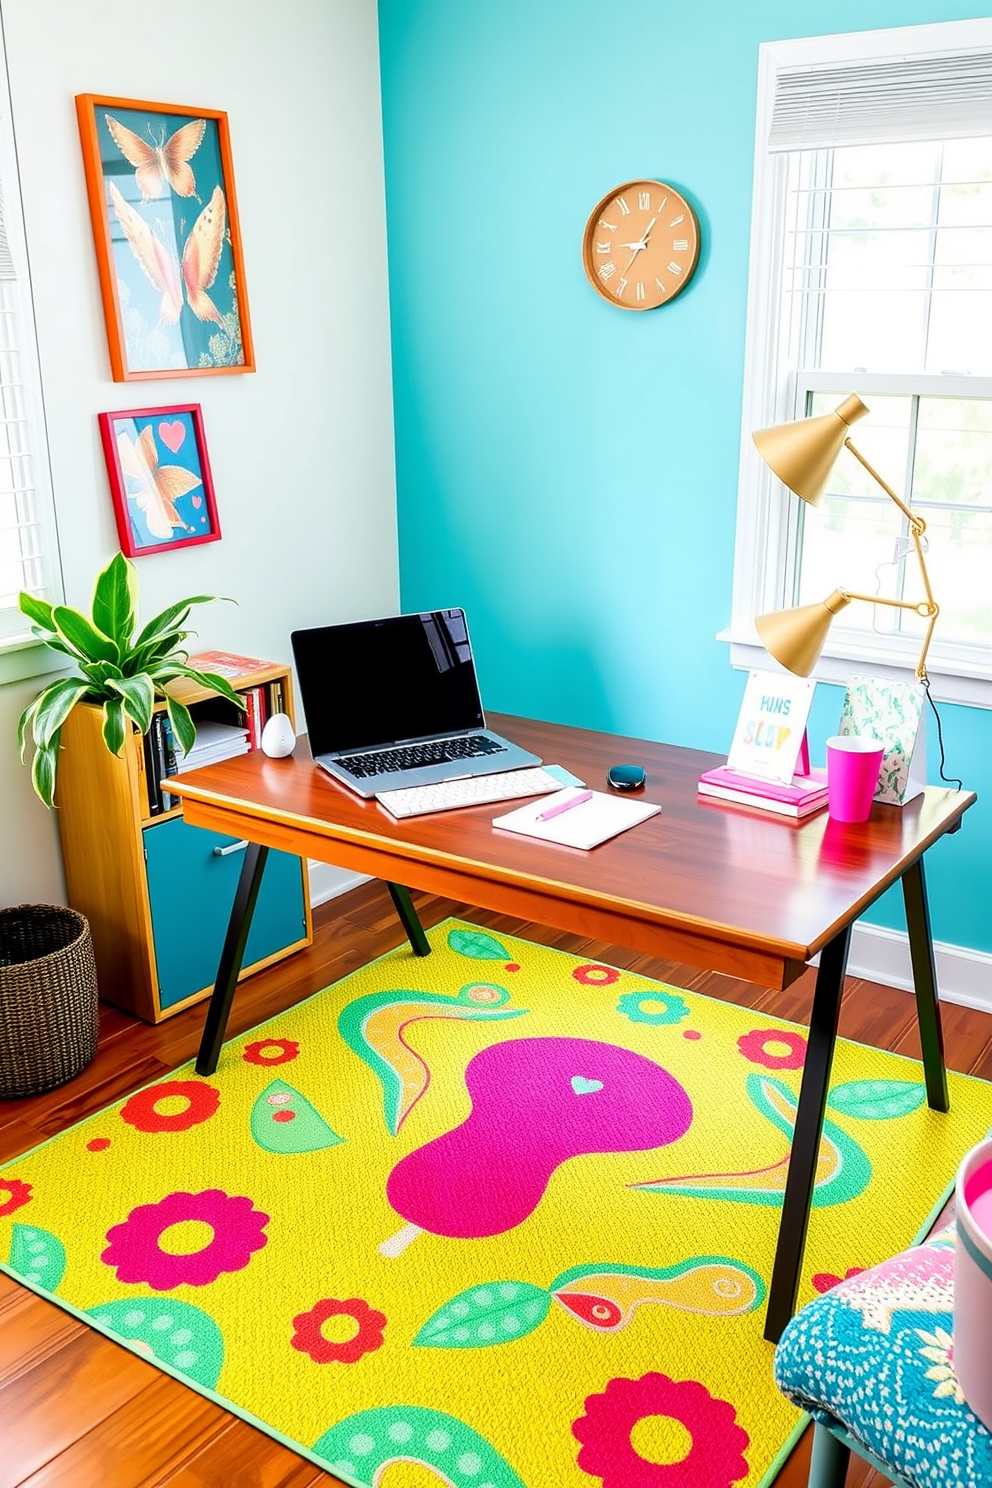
(121, 672)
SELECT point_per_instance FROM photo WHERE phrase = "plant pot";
(48, 998)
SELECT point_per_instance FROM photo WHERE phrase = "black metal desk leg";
(409, 919)
(801, 1179)
(914, 892)
(231, 957)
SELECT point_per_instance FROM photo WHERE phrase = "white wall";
(302, 450)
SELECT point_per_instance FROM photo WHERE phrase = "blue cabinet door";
(191, 889)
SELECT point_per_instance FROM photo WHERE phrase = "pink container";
(973, 1281)
(853, 763)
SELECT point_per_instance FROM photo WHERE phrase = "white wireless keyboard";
(418, 800)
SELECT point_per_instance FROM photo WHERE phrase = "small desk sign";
(771, 726)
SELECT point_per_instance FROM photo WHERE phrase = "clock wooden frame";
(668, 253)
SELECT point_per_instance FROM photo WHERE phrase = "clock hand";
(639, 247)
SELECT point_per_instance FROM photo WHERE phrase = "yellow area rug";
(490, 1218)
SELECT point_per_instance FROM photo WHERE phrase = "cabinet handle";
(232, 847)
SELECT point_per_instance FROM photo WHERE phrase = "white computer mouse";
(278, 736)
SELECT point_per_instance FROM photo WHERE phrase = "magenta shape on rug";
(535, 1103)
(134, 1249)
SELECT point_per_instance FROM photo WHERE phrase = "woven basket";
(48, 998)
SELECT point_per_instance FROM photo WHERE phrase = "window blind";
(941, 96)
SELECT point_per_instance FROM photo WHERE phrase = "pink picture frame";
(160, 480)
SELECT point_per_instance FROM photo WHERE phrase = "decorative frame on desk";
(160, 182)
(160, 478)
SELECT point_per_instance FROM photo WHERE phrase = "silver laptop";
(395, 702)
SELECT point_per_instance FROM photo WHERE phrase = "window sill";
(951, 680)
(22, 658)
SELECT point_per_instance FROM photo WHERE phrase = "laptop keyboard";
(414, 756)
(476, 790)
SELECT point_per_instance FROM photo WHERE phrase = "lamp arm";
(917, 527)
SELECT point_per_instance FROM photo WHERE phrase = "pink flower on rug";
(13, 1194)
(136, 1251)
(271, 1051)
(714, 1460)
(309, 1338)
(594, 975)
(824, 1280)
(754, 1046)
(141, 1111)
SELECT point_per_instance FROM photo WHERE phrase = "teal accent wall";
(565, 470)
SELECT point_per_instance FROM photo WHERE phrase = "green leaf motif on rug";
(37, 1255)
(877, 1100)
(283, 1121)
(484, 1315)
(477, 945)
(365, 1444)
(175, 1333)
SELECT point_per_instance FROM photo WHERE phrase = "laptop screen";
(377, 682)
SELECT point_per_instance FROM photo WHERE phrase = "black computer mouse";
(625, 777)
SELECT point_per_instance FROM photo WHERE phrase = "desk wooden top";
(716, 885)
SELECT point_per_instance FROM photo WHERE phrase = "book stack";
(214, 742)
(165, 757)
(806, 794)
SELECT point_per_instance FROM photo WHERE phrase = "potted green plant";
(118, 666)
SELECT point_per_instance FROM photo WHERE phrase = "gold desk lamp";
(802, 455)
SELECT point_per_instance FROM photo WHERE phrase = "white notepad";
(584, 826)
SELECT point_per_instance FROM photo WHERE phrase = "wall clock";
(641, 245)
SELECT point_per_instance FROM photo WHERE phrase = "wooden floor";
(77, 1411)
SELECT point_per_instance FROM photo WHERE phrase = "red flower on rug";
(754, 1046)
(13, 1194)
(142, 1112)
(593, 975)
(715, 1458)
(137, 1253)
(824, 1280)
(309, 1338)
(271, 1051)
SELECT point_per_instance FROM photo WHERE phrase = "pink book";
(802, 790)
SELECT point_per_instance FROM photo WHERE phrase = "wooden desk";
(722, 887)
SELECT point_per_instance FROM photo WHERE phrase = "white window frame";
(21, 655)
(767, 515)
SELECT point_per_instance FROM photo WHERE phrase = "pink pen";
(561, 806)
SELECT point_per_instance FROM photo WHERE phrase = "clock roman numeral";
(610, 226)
(606, 271)
(676, 220)
(639, 290)
(680, 244)
(674, 268)
(621, 286)
(603, 247)
(623, 206)
(644, 201)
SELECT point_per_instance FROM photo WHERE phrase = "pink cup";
(853, 763)
(973, 1280)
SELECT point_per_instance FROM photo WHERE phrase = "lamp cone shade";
(795, 637)
(802, 453)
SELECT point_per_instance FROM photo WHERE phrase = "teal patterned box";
(892, 712)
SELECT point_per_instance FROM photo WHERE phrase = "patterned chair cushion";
(875, 1355)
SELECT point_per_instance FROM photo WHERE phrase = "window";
(28, 540)
(871, 273)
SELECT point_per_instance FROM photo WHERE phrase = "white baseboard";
(327, 882)
(963, 976)
(877, 954)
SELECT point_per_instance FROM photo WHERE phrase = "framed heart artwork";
(160, 479)
(160, 183)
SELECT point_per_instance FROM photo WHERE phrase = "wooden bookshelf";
(153, 888)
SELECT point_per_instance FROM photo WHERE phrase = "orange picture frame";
(160, 184)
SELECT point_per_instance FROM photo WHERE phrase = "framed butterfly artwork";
(160, 479)
(160, 183)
